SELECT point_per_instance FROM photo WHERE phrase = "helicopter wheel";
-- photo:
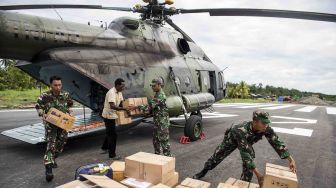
(193, 127)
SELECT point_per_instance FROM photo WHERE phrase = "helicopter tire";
(193, 127)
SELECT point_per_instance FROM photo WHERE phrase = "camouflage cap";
(156, 81)
(262, 116)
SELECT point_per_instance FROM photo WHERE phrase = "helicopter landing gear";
(194, 127)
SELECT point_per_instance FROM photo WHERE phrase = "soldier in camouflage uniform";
(55, 137)
(157, 105)
(243, 136)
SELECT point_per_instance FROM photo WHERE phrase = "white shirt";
(112, 96)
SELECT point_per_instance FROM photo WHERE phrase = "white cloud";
(281, 52)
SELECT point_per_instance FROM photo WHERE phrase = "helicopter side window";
(131, 24)
(183, 45)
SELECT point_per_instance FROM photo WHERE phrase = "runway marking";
(234, 104)
(295, 131)
(298, 120)
(278, 107)
(306, 109)
(207, 115)
(331, 110)
(258, 106)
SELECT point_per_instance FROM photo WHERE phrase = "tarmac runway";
(308, 131)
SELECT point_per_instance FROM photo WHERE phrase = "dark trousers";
(110, 140)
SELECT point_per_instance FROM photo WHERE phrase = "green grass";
(19, 99)
(234, 100)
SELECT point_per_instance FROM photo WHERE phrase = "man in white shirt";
(113, 103)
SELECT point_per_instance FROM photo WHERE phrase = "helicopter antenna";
(58, 14)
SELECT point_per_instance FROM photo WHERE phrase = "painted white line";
(298, 120)
(331, 110)
(33, 110)
(306, 109)
(278, 107)
(234, 104)
(258, 106)
(295, 131)
(208, 116)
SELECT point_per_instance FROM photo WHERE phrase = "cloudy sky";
(290, 53)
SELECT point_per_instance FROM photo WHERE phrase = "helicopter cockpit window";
(183, 45)
(131, 24)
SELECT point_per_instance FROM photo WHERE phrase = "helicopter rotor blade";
(60, 6)
(177, 28)
(264, 13)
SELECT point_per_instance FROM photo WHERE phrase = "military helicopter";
(90, 58)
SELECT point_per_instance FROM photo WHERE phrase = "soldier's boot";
(49, 173)
(200, 174)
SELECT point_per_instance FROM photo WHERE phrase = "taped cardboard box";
(118, 169)
(235, 183)
(192, 183)
(160, 185)
(93, 181)
(60, 119)
(123, 118)
(134, 183)
(150, 167)
(279, 176)
(173, 180)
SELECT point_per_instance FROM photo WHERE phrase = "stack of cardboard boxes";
(151, 168)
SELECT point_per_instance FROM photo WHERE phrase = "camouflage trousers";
(161, 137)
(227, 146)
(56, 139)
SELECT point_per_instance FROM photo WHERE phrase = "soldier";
(243, 136)
(113, 102)
(55, 136)
(157, 105)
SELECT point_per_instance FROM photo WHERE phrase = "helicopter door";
(213, 86)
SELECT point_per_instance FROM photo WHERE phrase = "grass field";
(233, 100)
(18, 99)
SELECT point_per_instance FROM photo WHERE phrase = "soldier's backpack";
(94, 169)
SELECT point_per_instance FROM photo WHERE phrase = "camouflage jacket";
(245, 137)
(47, 100)
(157, 105)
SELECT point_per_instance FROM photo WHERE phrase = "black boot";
(200, 174)
(49, 174)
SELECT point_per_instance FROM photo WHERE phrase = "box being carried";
(279, 177)
(60, 119)
(151, 168)
(234, 183)
(123, 118)
(135, 102)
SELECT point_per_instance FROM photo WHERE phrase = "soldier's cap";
(156, 81)
(262, 116)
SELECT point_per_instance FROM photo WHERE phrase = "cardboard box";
(93, 181)
(181, 186)
(279, 176)
(60, 119)
(134, 183)
(235, 183)
(123, 118)
(173, 181)
(192, 183)
(135, 102)
(118, 169)
(160, 185)
(150, 167)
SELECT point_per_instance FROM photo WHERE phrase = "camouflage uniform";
(158, 107)
(242, 136)
(55, 137)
